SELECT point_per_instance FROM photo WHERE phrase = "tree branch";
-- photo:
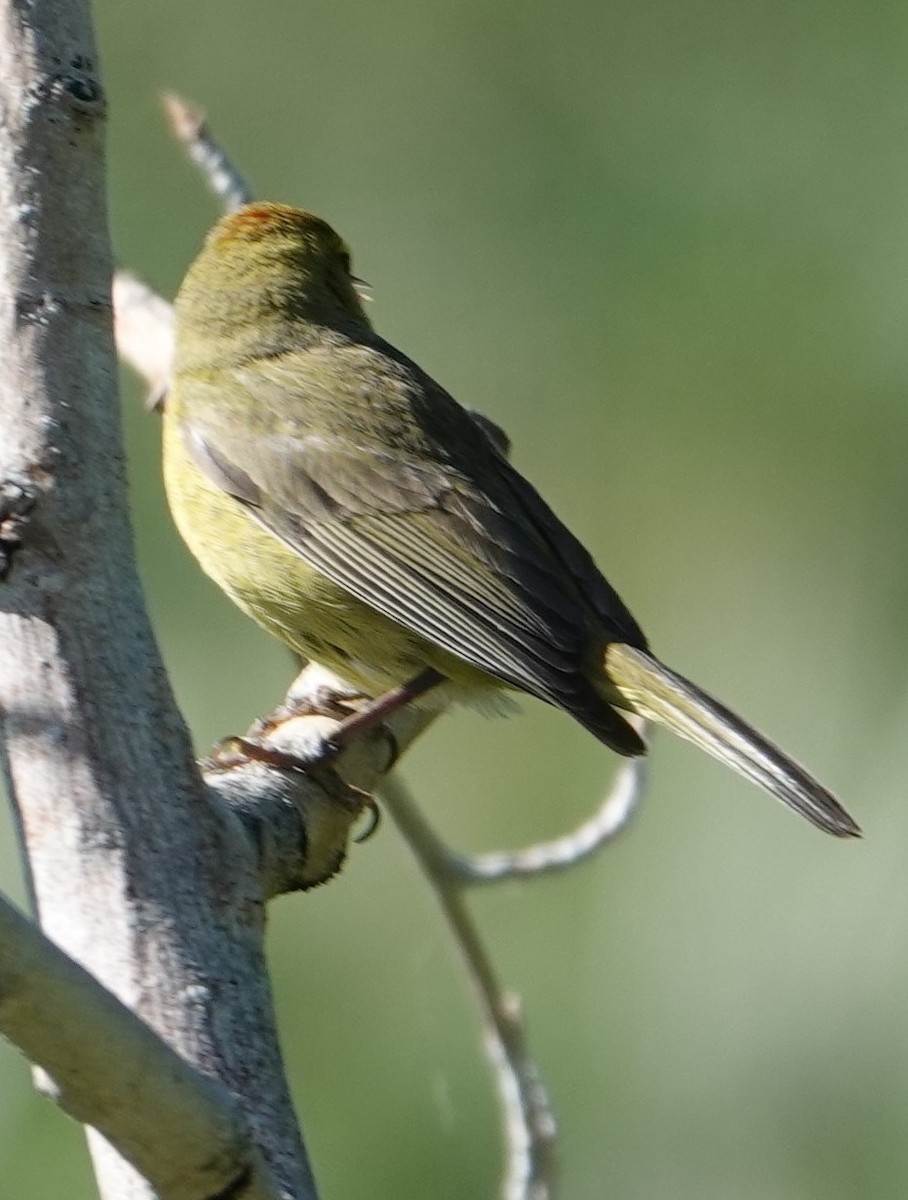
(65, 1021)
(528, 1122)
(191, 127)
(616, 809)
(299, 824)
(124, 846)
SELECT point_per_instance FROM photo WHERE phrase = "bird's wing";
(433, 528)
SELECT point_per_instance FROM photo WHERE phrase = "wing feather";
(439, 532)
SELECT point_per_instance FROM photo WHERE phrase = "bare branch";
(52, 1009)
(530, 1131)
(124, 845)
(545, 858)
(66, 1022)
(299, 824)
(527, 1118)
(144, 332)
(189, 124)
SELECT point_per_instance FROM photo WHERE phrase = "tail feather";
(659, 694)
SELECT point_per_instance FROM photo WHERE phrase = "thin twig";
(144, 333)
(527, 1118)
(543, 858)
(528, 1122)
(190, 126)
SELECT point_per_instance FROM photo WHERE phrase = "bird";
(354, 509)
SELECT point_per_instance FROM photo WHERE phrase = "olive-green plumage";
(353, 508)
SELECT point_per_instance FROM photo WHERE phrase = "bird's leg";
(236, 750)
(376, 711)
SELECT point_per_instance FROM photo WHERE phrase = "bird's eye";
(346, 261)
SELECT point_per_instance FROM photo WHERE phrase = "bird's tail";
(654, 691)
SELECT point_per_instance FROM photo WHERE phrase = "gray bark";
(134, 871)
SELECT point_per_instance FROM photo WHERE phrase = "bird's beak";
(362, 289)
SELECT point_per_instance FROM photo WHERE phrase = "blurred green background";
(666, 247)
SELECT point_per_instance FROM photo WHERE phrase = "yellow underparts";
(292, 600)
